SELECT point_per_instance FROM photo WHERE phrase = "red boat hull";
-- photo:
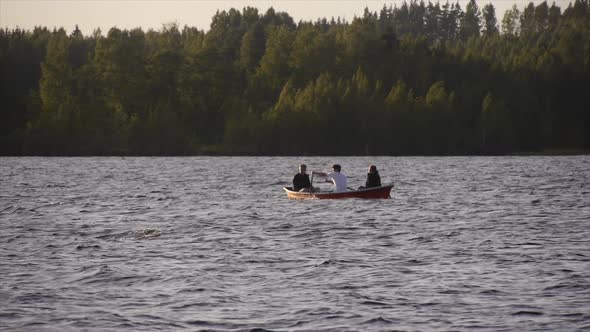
(370, 193)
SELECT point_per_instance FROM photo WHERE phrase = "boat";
(376, 192)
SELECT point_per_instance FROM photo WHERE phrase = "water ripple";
(142, 244)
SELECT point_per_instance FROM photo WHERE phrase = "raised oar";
(311, 184)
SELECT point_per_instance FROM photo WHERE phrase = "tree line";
(421, 78)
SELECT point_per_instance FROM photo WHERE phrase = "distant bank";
(416, 79)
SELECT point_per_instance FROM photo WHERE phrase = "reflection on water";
(474, 243)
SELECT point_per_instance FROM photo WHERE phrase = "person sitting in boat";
(338, 179)
(373, 178)
(301, 180)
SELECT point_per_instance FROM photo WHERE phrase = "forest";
(411, 79)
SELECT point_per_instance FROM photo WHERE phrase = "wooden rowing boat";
(377, 192)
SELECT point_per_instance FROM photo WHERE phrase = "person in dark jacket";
(373, 178)
(301, 179)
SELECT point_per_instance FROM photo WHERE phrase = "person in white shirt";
(338, 178)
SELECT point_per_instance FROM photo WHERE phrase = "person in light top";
(338, 179)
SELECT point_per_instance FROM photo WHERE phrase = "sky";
(153, 14)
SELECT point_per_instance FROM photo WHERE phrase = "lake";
(212, 243)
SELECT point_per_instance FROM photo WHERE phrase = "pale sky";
(152, 14)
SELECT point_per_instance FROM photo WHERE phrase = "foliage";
(421, 78)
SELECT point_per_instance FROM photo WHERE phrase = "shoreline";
(547, 153)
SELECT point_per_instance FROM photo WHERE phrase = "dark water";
(142, 244)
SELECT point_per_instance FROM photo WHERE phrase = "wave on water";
(185, 244)
(142, 234)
